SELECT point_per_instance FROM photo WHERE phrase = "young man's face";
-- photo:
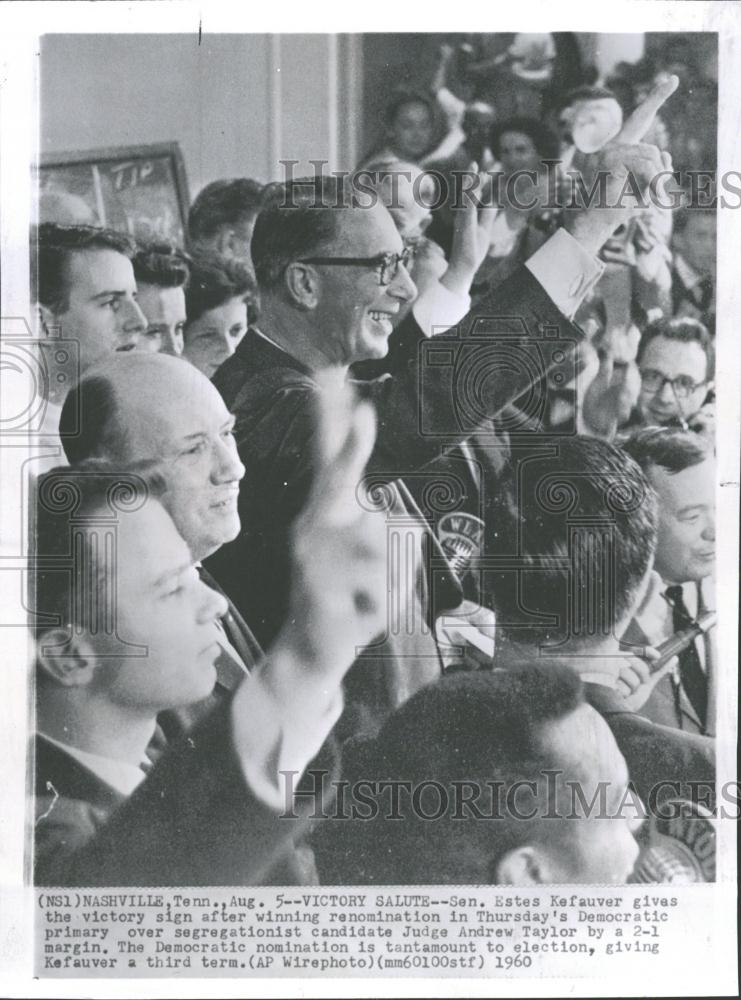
(214, 336)
(175, 417)
(164, 310)
(411, 133)
(102, 314)
(162, 605)
(685, 549)
(355, 314)
(596, 845)
(672, 359)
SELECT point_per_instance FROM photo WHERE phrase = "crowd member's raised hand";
(611, 396)
(338, 598)
(624, 158)
(282, 714)
(338, 585)
(473, 221)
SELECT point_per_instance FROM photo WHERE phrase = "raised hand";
(472, 228)
(283, 712)
(338, 597)
(611, 396)
(623, 170)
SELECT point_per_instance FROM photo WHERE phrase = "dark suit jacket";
(193, 821)
(657, 755)
(430, 404)
(667, 705)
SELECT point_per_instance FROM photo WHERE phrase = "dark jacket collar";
(255, 351)
(59, 773)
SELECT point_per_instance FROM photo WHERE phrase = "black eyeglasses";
(387, 264)
(682, 386)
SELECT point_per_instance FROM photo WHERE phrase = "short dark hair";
(299, 219)
(65, 575)
(670, 448)
(213, 281)
(684, 329)
(223, 203)
(466, 729)
(401, 99)
(52, 246)
(574, 526)
(544, 140)
(88, 423)
(161, 264)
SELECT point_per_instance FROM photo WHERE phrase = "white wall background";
(237, 104)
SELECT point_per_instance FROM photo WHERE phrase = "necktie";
(230, 668)
(693, 677)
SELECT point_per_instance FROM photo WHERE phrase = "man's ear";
(303, 285)
(522, 866)
(68, 662)
(48, 319)
(225, 243)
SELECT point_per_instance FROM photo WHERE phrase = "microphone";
(680, 640)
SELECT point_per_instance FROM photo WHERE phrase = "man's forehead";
(174, 414)
(159, 399)
(677, 489)
(364, 232)
(100, 267)
(162, 304)
(148, 540)
(678, 356)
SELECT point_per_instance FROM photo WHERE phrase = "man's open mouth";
(384, 319)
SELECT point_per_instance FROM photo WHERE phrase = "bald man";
(136, 408)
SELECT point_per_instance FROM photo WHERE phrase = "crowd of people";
(374, 537)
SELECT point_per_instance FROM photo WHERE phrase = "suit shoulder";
(669, 753)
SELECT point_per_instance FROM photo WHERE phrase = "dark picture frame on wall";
(140, 189)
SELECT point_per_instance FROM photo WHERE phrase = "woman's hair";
(542, 137)
(213, 281)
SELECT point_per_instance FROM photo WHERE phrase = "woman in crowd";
(217, 304)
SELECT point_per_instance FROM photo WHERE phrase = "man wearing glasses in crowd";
(677, 365)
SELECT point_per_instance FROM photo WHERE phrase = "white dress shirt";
(563, 268)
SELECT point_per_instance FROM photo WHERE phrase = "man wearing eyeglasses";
(676, 362)
(332, 275)
(331, 283)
